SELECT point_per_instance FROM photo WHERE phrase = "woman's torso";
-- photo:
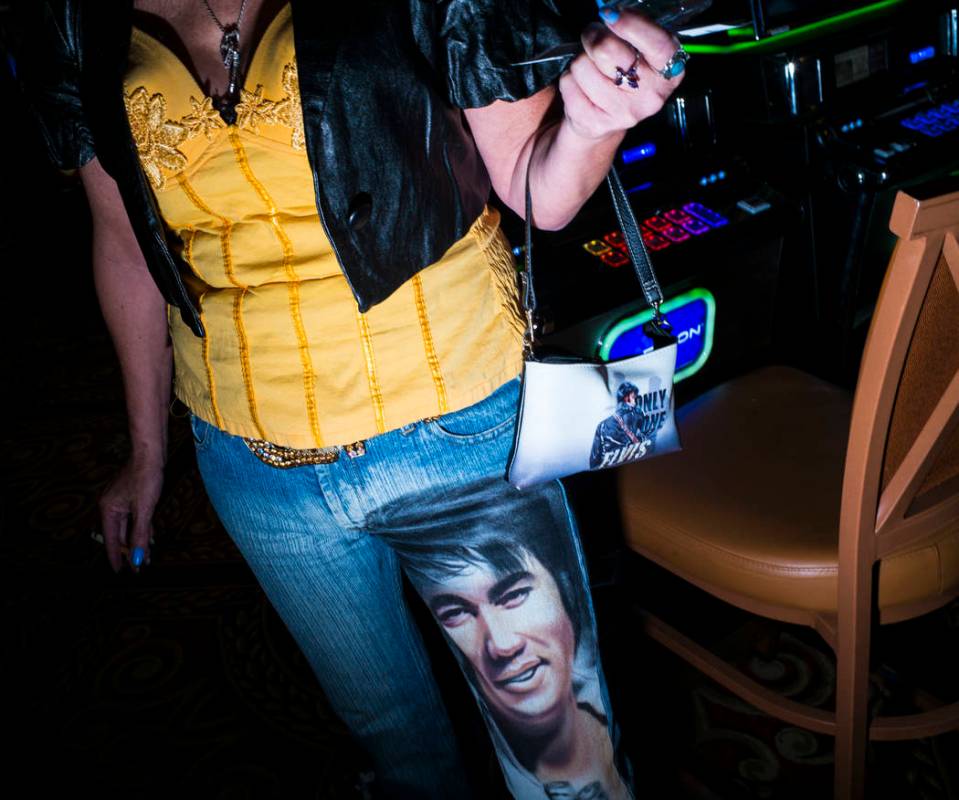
(288, 357)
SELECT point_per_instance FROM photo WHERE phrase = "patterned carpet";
(180, 680)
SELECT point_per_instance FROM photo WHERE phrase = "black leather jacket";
(621, 429)
(398, 178)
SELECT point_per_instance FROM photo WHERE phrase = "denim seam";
(436, 429)
(200, 442)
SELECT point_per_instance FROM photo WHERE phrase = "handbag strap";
(633, 237)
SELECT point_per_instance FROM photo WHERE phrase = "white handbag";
(576, 414)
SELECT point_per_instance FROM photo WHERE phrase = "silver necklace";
(230, 52)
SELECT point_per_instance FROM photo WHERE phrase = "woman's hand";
(568, 147)
(126, 512)
(616, 82)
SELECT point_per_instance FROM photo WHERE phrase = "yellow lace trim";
(158, 138)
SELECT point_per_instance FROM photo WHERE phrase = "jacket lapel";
(316, 35)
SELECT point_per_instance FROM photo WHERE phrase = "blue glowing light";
(639, 153)
(692, 318)
(923, 54)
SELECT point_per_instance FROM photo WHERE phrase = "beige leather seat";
(752, 503)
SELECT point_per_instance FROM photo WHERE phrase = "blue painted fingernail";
(609, 15)
(137, 557)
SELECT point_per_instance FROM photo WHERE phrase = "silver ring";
(675, 66)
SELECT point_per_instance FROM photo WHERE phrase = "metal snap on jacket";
(358, 214)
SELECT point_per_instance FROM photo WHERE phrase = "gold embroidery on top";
(289, 112)
(156, 138)
(254, 109)
(205, 119)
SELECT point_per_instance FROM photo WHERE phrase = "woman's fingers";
(606, 50)
(624, 105)
(114, 521)
(602, 92)
(126, 514)
(617, 81)
(141, 538)
(656, 45)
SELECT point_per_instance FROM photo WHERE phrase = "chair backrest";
(901, 479)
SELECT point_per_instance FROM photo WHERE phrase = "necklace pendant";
(230, 47)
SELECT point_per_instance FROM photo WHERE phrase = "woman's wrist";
(148, 449)
(558, 191)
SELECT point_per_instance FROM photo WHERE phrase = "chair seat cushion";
(751, 504)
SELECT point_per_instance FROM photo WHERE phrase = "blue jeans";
(501, 570)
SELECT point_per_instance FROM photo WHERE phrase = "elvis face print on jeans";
(512, 599)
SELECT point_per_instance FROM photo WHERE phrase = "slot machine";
(839, 105)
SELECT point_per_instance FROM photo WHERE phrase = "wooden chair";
(796, 502)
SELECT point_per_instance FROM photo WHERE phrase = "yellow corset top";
(287, 356)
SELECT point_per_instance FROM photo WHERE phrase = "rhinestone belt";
(276, 455)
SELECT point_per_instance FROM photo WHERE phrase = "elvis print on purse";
(576, 416)
(579, 414)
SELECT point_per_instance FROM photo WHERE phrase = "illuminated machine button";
(910, 123)
(654, 241)
(596, 247)
(657, 223)
(614, 258)
(616, 240)
(691, 315)
(676, 216)
(883, 154)
(707, 215)
(899, 147)
(933, 129)
(695, 226)
(675, 234)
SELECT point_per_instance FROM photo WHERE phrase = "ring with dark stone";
(627, 75)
